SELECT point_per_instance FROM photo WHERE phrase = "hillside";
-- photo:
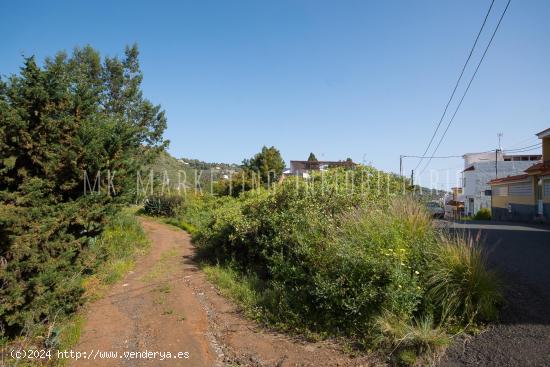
(187, 171)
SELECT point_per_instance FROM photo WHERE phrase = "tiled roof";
(543, 166)
(543, 133)
(508, 179)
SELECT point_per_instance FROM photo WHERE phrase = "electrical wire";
(530, 147)
(468, 86)
(456, 86)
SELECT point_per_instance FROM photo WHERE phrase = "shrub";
(459, 284)
(163, 205)
(239, 182)
(483, 214)
(410, 338)
(335, 265)
(338, 261)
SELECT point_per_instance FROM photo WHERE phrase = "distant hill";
(190, 169)
(166, 162)
(186, 171)
(198, 164)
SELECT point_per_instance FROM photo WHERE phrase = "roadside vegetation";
(345, 253)
(74, 130)
(109, 257)
(349, 255)
(483, 214)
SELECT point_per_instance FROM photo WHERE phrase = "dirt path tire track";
(214, 332)
(151, 309)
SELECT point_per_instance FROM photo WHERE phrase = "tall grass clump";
(111, 255)
(458, 282)
(406, 340)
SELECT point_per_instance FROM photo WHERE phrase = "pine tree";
(72, 115)
(268, 164)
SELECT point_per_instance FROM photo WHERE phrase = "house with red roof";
(525, 197)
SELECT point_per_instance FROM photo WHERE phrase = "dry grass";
(460, 283)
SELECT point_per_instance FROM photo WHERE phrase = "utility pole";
(401, 165)
(499, 135)
(412, 177)
(496, 163)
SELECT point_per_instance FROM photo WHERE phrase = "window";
(523, 189)
(546, 188)
(487, 192)
(500, 190)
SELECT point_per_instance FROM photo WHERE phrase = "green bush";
(483, 214)
(163, 205)
(62, 120)
(337, 260)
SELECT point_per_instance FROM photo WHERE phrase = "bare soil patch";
(167, 304)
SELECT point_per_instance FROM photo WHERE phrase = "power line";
(469, 84)
(446, 156)
(534, 146)
(524, 151)
(524, 141)
(456, 85)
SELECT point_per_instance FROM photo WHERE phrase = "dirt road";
(167, 305)
(150, 310)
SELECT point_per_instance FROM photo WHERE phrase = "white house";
(480, 168)
(303, 168)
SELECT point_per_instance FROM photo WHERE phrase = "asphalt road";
(521, 255)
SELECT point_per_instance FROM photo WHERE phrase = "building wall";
(517, 212)
(546, 149)
(471, 158)
(546, 190)
(521, 208)
(499, 201)
(475, 181)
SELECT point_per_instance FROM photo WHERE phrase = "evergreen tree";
(72, 115)
(312, 158)
(268, 164)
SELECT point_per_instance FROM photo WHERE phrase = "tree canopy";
(312, 158)
(70, 115)
(268, 164)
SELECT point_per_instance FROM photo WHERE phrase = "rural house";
(479, 168)
(525, 197)
(302, 168)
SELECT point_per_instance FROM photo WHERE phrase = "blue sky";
(360, 79)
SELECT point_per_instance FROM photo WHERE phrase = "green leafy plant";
(323, 257)
(483, 214)
(163, 205)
